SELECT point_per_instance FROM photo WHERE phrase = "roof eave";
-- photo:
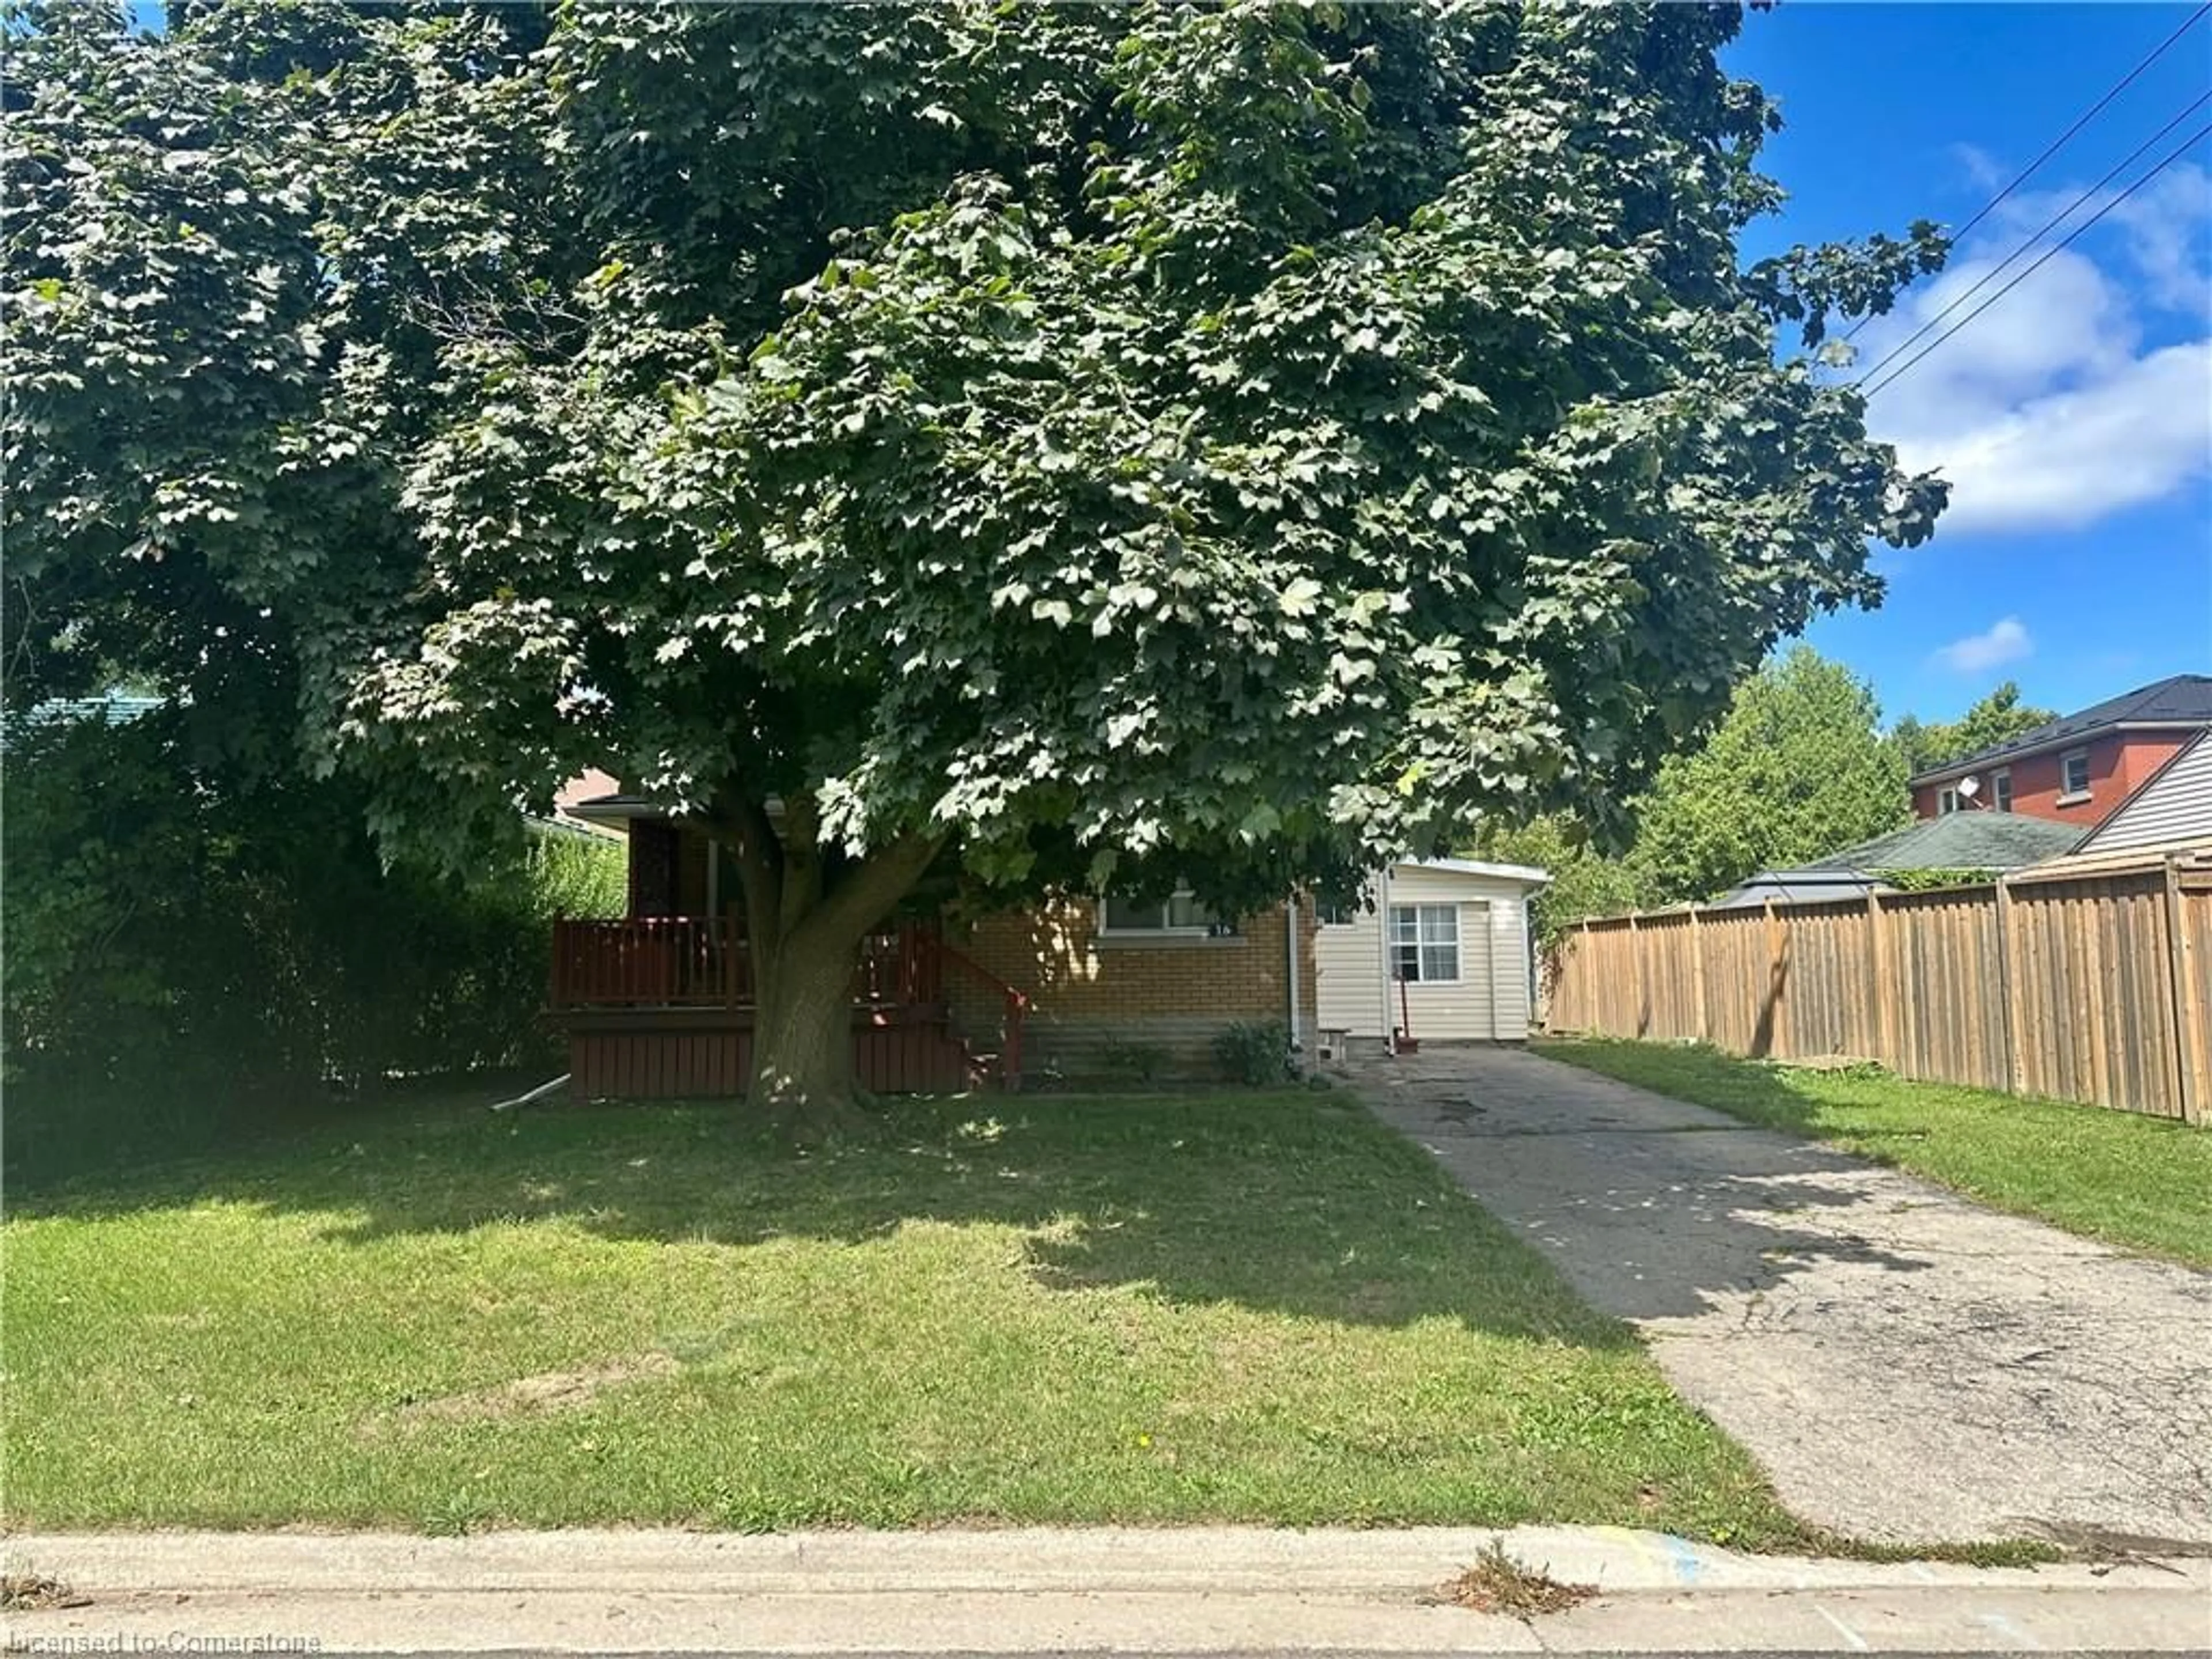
(1527, 874)
(1969, 764)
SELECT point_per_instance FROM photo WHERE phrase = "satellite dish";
(1969, 788)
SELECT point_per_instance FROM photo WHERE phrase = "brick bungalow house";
(2077, 770)
(659, 1002)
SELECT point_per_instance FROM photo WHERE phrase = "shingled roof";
(2178, 700)
(1959, 840)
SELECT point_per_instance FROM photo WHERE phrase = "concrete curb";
(1015, 1559)
(1216, 1589)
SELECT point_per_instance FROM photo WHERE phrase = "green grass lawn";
(1248, 1307)
(2142, 1182)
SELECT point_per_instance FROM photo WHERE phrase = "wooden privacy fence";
(2088, 982)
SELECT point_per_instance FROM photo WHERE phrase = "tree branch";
(875, 883)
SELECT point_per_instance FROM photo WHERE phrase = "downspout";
(1291, 965)
(1383, 942)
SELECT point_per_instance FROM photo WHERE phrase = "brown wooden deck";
(704, 962)
(659, 1007)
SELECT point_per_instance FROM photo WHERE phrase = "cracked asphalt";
(1908, 1366)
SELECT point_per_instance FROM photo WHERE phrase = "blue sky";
(2074, 416)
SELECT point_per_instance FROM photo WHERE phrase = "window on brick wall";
(2001, 790)
(2074, 765)
(1181, 915)
(1424, 943)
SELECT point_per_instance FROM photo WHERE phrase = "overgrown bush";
(1254, 1051)
(185, 953)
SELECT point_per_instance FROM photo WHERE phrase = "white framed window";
(1179, 916)
(1947, 801)
(2001, 790)
(1425, 944)
(2073, 772)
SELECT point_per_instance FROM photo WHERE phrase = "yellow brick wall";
(1086, 993)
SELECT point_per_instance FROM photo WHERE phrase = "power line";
(2060, 142)
(2049, 225)
(2183, 148)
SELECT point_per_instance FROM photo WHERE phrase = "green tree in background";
(1044, 444)
(1798, 768)
(1586, 881)
(1998, 718)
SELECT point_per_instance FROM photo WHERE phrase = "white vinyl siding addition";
(1489, 1001)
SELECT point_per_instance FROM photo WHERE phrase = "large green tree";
(1997, 718)
(1798, 770)
(1048, 443)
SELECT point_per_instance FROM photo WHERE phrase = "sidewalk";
(1193, 1591)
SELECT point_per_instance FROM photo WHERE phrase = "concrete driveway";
(1907, 1365)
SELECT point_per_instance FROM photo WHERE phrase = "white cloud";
(2166, 224)
(2071, 457)
(2050, 410)
(1983, 170)
(2160, 230)
(2002, 641)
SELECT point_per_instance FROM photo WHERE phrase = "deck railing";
(705, 961)
(1016, 1012)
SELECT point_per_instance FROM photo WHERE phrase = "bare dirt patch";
(547, 1391)
(1498, 1584)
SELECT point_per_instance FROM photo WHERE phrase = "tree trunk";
(806, 927)
(802, 1076)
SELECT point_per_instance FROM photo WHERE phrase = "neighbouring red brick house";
(2077, 770)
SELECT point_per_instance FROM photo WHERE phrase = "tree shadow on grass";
(1289, 1202)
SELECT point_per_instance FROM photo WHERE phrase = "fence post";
(2009, 988)
(1871, 1027)
(2190, 1083)
(1585, 996)
(1571, 986)
(1697, 977)
(1774, 1044)
(1639, 1001)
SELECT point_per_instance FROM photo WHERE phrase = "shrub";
(1254, 1051)
(1145, 1062)
(192, 948)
